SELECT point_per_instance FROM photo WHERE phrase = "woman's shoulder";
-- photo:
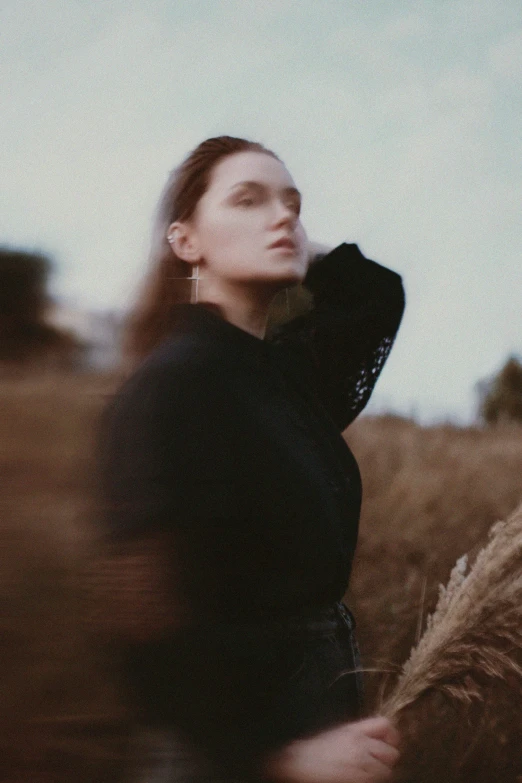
(181, 358)
(179, 375)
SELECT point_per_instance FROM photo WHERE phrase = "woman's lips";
(283, 244)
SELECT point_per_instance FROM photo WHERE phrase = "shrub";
(24, 334)
(501, 396)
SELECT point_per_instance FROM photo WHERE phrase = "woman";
(228, 481)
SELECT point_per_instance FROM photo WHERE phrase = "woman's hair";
(165, 285)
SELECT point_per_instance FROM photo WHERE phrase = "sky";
(399, 121)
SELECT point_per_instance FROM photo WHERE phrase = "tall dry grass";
(471, 656)
(430, 495)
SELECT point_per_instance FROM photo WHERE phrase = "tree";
(24, 301)
(500, 397)
(23, 278)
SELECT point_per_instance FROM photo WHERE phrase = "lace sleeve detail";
(347, 334)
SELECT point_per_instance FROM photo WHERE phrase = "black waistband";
(311, 623)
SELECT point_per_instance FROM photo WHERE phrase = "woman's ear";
(183, 242)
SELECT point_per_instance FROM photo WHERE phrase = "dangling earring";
(194, 277)
(194, 286)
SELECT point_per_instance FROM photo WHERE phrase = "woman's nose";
(284, 215)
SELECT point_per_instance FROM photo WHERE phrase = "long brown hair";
(165, 284)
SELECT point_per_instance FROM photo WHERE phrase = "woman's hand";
(361, 752)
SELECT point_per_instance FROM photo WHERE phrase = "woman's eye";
(246, 201)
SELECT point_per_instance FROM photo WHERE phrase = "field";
(430, 495)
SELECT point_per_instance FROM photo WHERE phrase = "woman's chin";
(285, 281)
(291, 272)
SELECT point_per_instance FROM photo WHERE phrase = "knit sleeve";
(173, 521)
(166, 443)
(167, 473)
(348, 330)
(141, 484)
(131, 585)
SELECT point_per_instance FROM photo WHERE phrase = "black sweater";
(233, 445)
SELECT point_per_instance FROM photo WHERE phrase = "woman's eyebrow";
(249, 183)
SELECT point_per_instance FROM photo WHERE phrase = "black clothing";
(233, 445)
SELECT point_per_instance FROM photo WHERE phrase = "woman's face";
(251, 203)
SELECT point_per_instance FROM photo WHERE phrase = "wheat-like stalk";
(475, 632)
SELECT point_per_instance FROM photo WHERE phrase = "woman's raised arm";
(348, 332)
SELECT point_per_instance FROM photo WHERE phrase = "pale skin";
(229, 235)
(252, 202)
(364, 751)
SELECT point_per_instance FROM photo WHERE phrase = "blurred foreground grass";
(430, 494)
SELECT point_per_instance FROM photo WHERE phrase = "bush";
(24, 334)
(23, 279)
(501, 396)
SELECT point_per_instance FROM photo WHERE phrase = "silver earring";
(194, 289)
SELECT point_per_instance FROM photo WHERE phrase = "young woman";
(229, 484)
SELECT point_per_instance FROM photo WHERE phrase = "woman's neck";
(240, 305)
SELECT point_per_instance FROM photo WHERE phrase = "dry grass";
(471, 655)
(431, 494)
(475, 631)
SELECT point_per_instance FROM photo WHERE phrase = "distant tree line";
(25, 336)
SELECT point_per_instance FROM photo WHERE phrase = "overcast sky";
(399, 121)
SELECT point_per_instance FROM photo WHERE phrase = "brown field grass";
(430, 495)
